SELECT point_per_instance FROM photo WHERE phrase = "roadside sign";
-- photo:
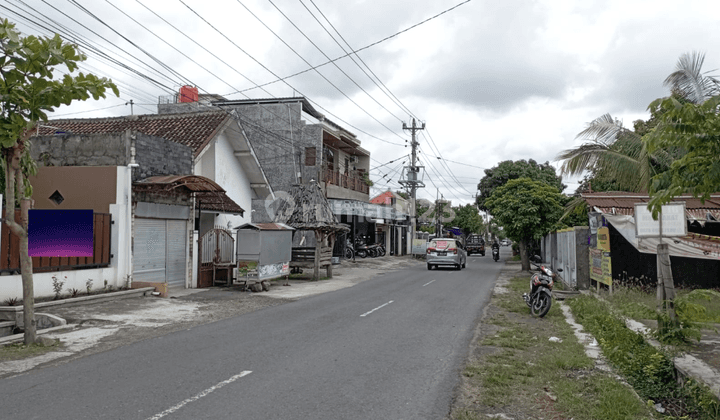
(671, 221)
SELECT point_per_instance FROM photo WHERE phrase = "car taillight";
(429, 250)
(454, 251)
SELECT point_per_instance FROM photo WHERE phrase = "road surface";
(387, 348)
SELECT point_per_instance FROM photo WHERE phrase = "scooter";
(349, 250)
(361, 250)
(541, 284)
(496, 254)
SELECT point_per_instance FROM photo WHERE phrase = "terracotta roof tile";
(191, 129)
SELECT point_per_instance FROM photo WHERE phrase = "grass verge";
(520, 373)
(17, 351)
(650, 371)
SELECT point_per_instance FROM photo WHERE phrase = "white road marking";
(381, 306)
(428, 283)
(200, 395)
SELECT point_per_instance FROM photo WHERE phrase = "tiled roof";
(624, 203)
(191, 129)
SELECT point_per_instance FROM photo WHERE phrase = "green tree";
(526, 210)
(499, 175)
(694, 128)
(28, 91)
(468, 219)
(618, 158)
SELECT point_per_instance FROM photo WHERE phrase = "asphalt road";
(388, 348)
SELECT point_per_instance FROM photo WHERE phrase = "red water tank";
(188, 94)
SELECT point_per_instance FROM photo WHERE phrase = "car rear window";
(442, 244)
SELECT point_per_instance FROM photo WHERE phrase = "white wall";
(231, 176)
(120, 264)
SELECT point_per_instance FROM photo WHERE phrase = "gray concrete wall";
(582, 247)
(272, 130)
(111, 149)
(157, 156)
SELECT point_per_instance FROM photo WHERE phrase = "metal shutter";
(149, 253)
(176, 267)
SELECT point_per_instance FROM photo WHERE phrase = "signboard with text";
(671, 221)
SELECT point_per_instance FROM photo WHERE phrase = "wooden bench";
(304, 257)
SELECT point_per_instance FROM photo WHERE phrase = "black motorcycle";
(361, 249)
(496, 254)
(349, 250)
(541, 284)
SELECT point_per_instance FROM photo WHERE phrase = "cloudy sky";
(492, 80)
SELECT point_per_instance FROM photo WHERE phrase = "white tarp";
(679, 247)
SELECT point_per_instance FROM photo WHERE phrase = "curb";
(84, 299)
(19, 337)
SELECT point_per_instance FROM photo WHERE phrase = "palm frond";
(572, 206)
(588, 156)
(689, 81)
(604, 129)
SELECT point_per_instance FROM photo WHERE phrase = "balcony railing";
(345, 181)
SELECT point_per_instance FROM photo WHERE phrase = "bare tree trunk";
(14, 177)
(524, 255)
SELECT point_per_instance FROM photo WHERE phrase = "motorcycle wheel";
(382, 251)
(541, 305)
(348, 254)
(362, 253)
(372, 252)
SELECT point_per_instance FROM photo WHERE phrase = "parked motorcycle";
(496, 254)
(349, 250)
(361, 249)
(540, 298)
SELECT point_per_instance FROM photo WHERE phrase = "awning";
(209, 196)
(689, 246)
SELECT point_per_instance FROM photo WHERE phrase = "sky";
(492, 81)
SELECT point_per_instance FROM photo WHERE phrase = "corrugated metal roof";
(265, 226)
(209, 195)
(191, 129)
(616, 202)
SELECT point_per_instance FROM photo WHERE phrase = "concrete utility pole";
(412, 175)
(131, 106)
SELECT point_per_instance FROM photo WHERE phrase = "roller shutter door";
(176, 266)
(160, 251)
(149, 250)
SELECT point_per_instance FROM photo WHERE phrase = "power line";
(275, 75)
(384, 88)
(282, 79)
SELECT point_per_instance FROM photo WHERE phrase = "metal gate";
(159, 251)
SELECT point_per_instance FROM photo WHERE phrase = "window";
(310, 155)
(347, 166)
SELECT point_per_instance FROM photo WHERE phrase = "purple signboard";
(60, 233)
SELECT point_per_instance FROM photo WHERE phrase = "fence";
(10, 249)
(568, 249)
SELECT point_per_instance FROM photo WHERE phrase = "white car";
(506, 242)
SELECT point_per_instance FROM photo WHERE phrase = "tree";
(695, 128)
(618, 158)
(615, 156)
(468, 219)
(526, 210)
(497, 176)
(28, 91)
(403, 195)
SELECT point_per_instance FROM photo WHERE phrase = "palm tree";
(620, 154)
(689, 82)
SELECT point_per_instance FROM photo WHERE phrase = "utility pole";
(131, 105)
(412, 175)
